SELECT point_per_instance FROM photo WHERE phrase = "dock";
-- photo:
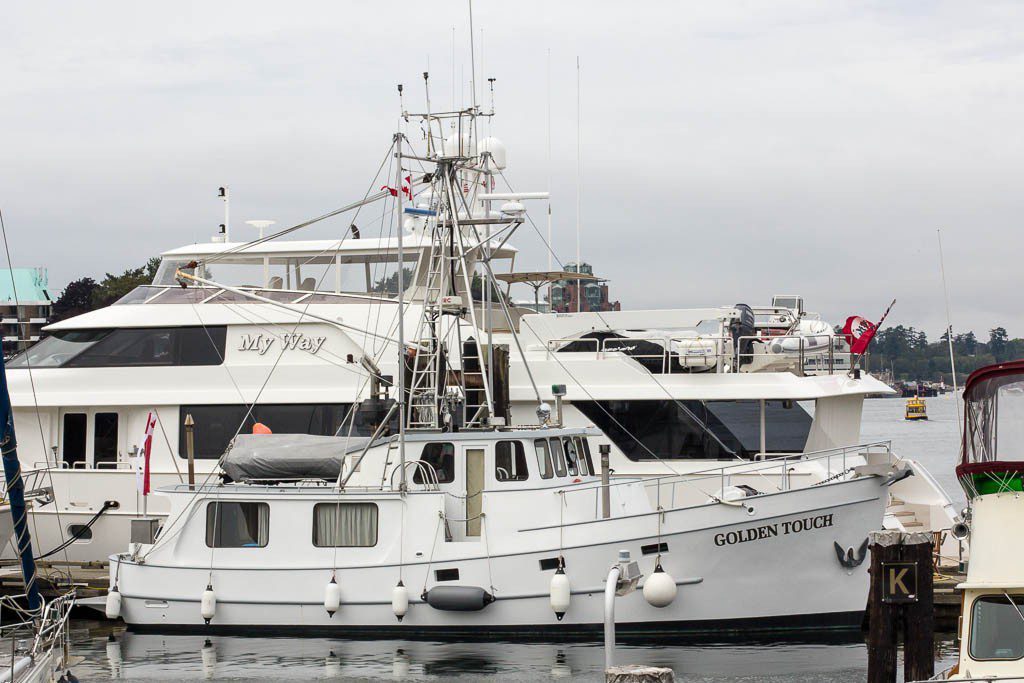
(90, 579)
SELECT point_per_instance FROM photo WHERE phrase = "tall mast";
(579, 192)
(401, 305)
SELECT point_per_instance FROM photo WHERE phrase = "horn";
(961, 531)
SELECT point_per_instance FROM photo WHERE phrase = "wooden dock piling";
(901, 596)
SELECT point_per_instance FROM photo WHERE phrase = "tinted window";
(104, 443)
(57, 349)
(698, 429)
(557, 455)
(510, 461)
(73, 444)
(440, 456)
(997, 629)
(344, 525)
(155, 346)
(215, 426)
(543, 458)
(237, 525)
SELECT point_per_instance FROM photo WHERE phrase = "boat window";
(104, 439)
(557, 455)
(57, 349)
(73, 444)
(997, 628)
(584, 448)
(510, 461)
(678, 429)
(166, 271)
(216, 425)
(570, 456)
(344, 525)
(237, 525)
(543, 458)
(155, 346)
(441, 457)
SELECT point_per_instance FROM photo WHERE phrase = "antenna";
(472, 55)
(949, 335)
(224, 194)
(261, 225)
(549, 173)
(426, 90)
(579, 192)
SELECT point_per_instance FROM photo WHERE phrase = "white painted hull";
(781, 581)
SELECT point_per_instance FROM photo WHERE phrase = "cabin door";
(474, 491)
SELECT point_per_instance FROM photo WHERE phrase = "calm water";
(118, 655)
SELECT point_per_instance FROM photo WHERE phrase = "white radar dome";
(453, 146)
(496, 148)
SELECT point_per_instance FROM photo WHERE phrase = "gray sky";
(731, 150)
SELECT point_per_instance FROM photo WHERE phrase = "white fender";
(560, 593)
(332, 597)
(400, 600)
(660, 588)
(113, 608)
(208, 604)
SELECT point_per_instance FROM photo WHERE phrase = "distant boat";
(916, 409)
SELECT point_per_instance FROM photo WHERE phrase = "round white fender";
(660, 588)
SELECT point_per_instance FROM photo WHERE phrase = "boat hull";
(775, 568)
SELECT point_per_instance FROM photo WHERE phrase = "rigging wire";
(35, 402)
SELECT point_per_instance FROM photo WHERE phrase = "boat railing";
(798, 353)
(839, 462)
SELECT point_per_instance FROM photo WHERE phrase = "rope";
(108, 505)
(430, 560)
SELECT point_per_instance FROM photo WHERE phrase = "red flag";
(860, 331)
(406, 189)
(142, 460)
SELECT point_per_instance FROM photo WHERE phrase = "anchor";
(847, 557)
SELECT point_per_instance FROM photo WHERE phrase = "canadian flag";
(142, 459)
(860, 331)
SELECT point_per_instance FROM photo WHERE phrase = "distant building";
(22, 317)
(565, 293)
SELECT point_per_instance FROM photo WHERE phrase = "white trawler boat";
(992, 475)
(280, 337)
(461, 525)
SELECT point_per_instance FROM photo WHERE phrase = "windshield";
(55, 350)
(995, 419)
(997, 627)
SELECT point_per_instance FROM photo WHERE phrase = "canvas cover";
(289, 456)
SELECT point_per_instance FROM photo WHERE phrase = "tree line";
(85, 294)
(908, 354)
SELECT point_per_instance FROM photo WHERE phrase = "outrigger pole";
(16, 493)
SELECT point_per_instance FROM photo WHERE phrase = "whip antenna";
(949, 335)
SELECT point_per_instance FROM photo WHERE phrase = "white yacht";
(282, 333)
(465, 524)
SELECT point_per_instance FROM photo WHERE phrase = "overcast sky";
(731, 150)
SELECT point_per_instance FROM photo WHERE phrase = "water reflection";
(120, 655)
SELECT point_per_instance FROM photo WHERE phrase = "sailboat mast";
(16, 494)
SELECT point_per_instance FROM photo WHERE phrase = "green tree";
(113, 287)
(74, 300)
(997, 343)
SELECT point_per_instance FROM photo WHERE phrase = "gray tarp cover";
(289, 456)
